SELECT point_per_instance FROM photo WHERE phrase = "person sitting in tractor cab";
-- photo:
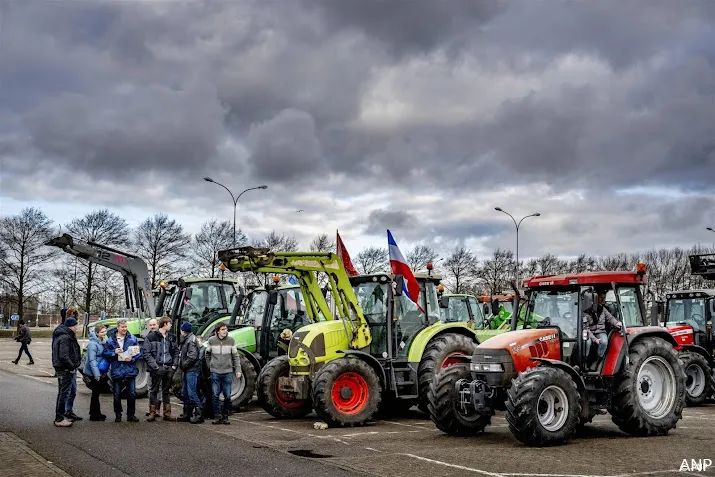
(597, 323)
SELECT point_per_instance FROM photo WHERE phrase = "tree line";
(32, 270)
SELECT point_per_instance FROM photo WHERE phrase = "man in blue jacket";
(122, 350)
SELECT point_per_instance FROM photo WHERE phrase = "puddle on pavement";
(308, 453)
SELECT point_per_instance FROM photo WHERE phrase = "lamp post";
(516, 272)
(235, 201)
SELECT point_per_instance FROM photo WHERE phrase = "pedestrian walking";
(224, 363)
(24, 337)
(122, 350)
(95, 368)
(66, 358)
(190, 364)
(161, 354)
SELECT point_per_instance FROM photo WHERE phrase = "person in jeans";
(66, 358)
(224, 363)
(597, 321)
(25, 338)
(123, 369)
(190, 364)
(162, 358)
(95, 348)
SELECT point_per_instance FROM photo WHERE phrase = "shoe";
(15, 361)
(95, 418)
(218, 420)
(186, 415)
(198, 417)
(152, 413)
(63, 423)
(118, 418)
(132, 419)
(103, 417)
(73, 417)
(31, 362)
(225, 421)
(167, 413)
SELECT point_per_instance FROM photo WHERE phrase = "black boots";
(198, 416)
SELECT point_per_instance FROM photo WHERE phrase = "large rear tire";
(141, 382)
(649, 395)
(346, 392)
(698, 378)
(444, 405)
(437, 356)
(271, 399)
(543, 407)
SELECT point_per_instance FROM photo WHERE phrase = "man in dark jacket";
(24, 337)
(190, 364)
(66, 358)
(122, 350)
(162, 358)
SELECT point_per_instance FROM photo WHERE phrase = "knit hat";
(186, 326)
(70, 322)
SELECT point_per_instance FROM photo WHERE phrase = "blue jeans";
(66, 392)
(188, 390)
(602, 345)
(131, 395)
(222, 382)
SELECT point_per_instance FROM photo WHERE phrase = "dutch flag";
(399, 266)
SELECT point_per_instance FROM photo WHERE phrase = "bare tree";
(102, 227)
(582, 263)
(108, 294)
(322, 243)
(161, 242)
(419, 256)
(214, 236)
(278, 242)
(62, 285)
(497, 272)
(23, 238)
(550, 264)
(372, 260)
(461, 265)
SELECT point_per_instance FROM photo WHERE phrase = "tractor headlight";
(486, 367)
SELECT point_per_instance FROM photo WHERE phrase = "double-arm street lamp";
(235, 201)
(516, 273)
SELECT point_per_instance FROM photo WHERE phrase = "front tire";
(346, 392)
(273, 401)
(698, 378)
(543, 407)
(649, 395)
(444, 405)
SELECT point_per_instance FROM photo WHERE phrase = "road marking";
(454, 466)
(405, 425)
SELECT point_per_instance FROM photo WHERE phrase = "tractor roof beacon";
(688, 317)
(382, 344)
(541, 373)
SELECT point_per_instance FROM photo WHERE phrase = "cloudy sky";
(419, 116)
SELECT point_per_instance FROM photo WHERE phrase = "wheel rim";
(142, 375)
(237, 387)
(656, 387)
(350, 393)
(450, 359)
(553, 408)
(284, 399)
(695, 380)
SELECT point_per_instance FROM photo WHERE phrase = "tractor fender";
(423, 338)
(578, 379)
(699, 350)
(645, 332)
(251, 358)
(371, 360)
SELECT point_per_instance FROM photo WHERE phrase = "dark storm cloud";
(379, 220)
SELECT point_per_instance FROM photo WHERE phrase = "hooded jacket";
(121, 369)
(66, 355)
(95, 347)
(160, 350)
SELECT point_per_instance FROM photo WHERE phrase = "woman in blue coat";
(92, 370)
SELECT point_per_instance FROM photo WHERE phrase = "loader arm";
(305, 266)
(132, 268)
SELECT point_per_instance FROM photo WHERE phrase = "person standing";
(224, 363)
(24, 337)
(190, 364)
(123, 369)
(95, 347)
(153, 326)
(66, 358)
(162, 358)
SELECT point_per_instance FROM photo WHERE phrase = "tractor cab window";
(457, 311)
(430, 292)
(553, 308)
(690, 311)
(207, 302)
(477, 313)
(630, 312)
(253, 315)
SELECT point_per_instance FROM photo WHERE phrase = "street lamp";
(235, 201)
(516, 273)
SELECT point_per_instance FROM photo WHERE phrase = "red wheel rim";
(284, 399)
(350, 393)
(450, 360)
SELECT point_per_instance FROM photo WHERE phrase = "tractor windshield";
(687, 310)
(208, 301)
(253, 316)
(553, 308)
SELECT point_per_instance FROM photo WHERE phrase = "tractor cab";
(460, 308)
(203, 302)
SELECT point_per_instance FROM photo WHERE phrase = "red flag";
(345, 257)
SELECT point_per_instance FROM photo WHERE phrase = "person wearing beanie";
(122, 350)
(190, 364)
(66, 358)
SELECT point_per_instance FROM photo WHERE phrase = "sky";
(418, 116)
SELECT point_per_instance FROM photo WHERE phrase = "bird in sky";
(299, 210)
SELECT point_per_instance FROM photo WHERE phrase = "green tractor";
(464, 308)
(383, 349)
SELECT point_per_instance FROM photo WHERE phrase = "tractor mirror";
(399, 283)
(444, 302)
(273, 298)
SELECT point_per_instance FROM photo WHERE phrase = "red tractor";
(688, 318)
(550, 381)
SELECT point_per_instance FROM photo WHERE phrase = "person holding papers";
(122, 350)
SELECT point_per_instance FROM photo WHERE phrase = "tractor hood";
(312, 345)
(245, 337)
(683, 334)
(516, 348)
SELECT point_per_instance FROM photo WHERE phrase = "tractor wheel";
(698, 378)
(543, 407)
(439, 355)
(649, 395)
(242, 388)
(445, 408)
(141, 382)
(273, 401)
(346, 392)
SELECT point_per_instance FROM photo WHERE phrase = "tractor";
(383, 349)
(688, 318)
(497, 310)
(464, 308)
(548, 379)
